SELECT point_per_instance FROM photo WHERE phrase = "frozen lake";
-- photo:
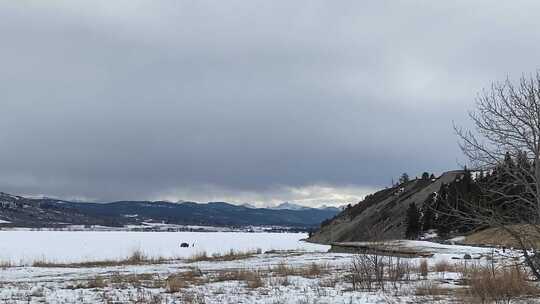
(23, 247)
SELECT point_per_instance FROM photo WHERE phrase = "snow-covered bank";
(20, 247)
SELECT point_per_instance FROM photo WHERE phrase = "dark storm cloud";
(260, 101)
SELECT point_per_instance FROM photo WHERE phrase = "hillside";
(382, 214)
(17, 211)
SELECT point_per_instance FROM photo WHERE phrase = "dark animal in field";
(184, 245)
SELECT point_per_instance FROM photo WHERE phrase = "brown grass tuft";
(424, 268)
(6, 264)
(500, 285)
(218, 257)
(178, 281)
(253, 278)
(443, 266)
(137, 257)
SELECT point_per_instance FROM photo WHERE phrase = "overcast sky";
(244, 101)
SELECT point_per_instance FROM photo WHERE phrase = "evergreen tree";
(413, 222)
(404, 178)
(428, 216)
(425, 176)
(508, 161)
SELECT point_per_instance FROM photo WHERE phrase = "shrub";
(367, 270)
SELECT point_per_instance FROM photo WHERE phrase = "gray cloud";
(244, 100)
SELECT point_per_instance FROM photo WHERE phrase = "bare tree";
(507, 128)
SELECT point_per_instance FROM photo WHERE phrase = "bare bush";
(371, 271)
(398, 269)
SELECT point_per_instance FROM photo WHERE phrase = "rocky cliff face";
(382, 214)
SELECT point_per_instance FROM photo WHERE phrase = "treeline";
(493, 194)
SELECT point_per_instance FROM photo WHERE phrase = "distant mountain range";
(17, 211)
(291, 206)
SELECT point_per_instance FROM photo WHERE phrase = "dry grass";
(176, 282)
(283, 269)
(96, 282)
(443, 266)
(280, 281)
(500, 237)
(192, 298)
(500, 285)
(139, 296)
(423, 268)
(313, 270)
(137, 257)
(217, 257)
(120, 281)
(331, 281)
(146, 280)
(430, 288)
(6, 264)
(253, 278)
(172, 284)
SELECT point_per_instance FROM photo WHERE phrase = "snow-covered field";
(301, 273)
(24, 247)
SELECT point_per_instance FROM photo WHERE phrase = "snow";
(24, 247)
(428, 247)
(457, 239)
(289, 206)
(56, 285)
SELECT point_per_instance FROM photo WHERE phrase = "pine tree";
(425, 176)
(404, 178)
(413, 222)
(428, 216)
